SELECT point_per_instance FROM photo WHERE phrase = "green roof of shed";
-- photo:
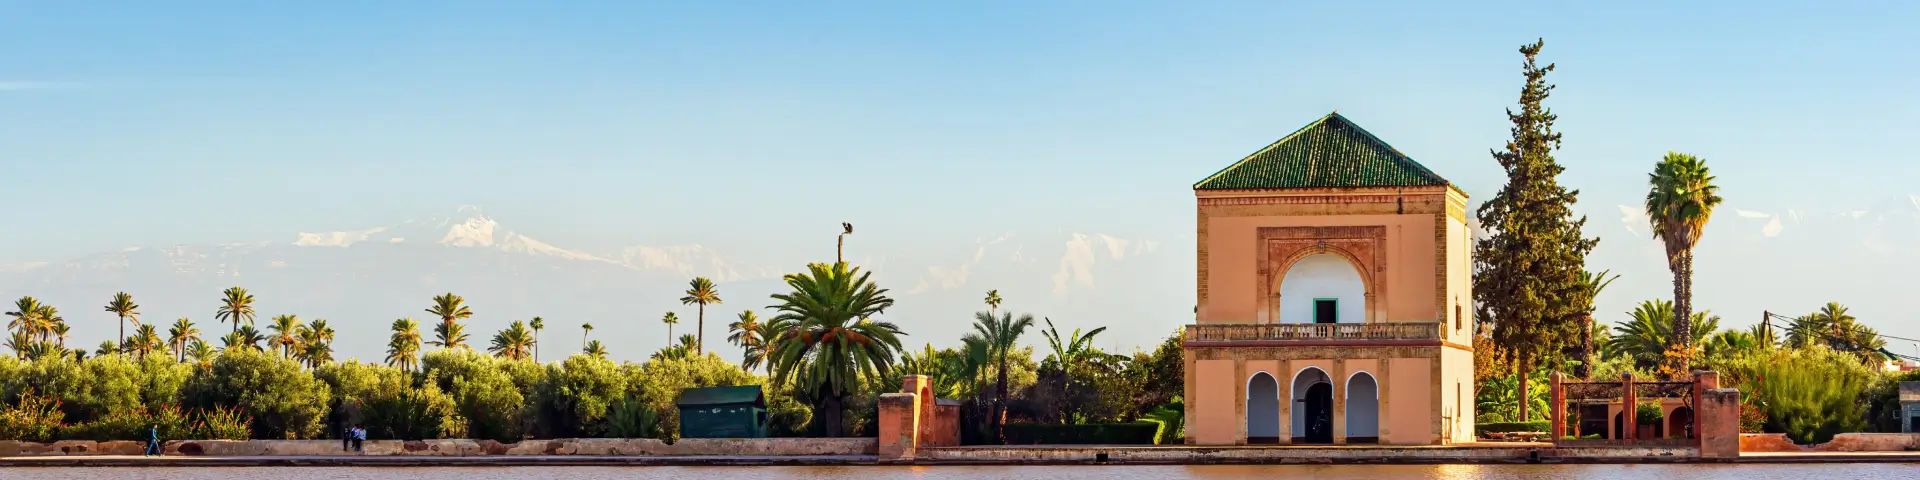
(1331, 152)
(749, 394)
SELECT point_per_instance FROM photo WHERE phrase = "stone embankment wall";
(462, 447)
(1845, 442)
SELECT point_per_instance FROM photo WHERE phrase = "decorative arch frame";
(1295, 379)
(1356, 373)
(1282, 247)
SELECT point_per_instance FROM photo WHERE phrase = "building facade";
(1334, 298)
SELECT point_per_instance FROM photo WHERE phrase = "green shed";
(723, 412)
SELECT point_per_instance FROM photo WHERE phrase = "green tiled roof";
(749, 395)
(1331, 152)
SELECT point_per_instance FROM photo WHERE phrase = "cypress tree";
(1527, 269)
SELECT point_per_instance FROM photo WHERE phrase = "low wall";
(1845, 442)
(1183, 455)
(460, 447)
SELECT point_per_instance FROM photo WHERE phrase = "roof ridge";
(1276, 143)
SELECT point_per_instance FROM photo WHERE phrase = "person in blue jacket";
(153, 440)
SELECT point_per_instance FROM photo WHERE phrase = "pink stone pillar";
(1629, 410)
(922, 387)
(899, 418)
(1717, 423)
(1557, 412)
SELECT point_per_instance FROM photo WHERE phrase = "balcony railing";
(1312, 331)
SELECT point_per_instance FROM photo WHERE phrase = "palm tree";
(201, 352)
(314, 344)
(245, 338)
(450, 308)
(315, 354)
(48, 318)
(449, 335)
(1595, 283)
(700, 292)
(998, 336)
(235, 305)
(1680, 199)
(122, 306)
(26, 316)
(827, 339)
(537, 323)
(670, 319)
(18, 342)
(993, 302)
(585, 330)
(1763, 337)
(1833, 327)
(594, 349)
(1074, 349)
(1648, 335)
(144, 341)
(403, 347)
(679, 351)
(746, 333)
(840, 246)
(107, 347)
(182, 332)
(286, 330)
(61, 334)
(513, 343)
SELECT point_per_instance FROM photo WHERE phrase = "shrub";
(1810, 394)
(223, 423)
(1135, 433)
(413, 414)
(1482, 429)
(33, 419)
(583, 389)
(1171, 419)
(629, 418)
(1648, 414)
(283, 401)
(169, 422)
(658, 383)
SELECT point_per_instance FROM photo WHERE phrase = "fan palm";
(236, 305)
(594, 349)
(747, 333)
(286, 334)
(670, 319)
(403, 347)
(122, 306)
(450, 308)
(998, 336)
(828, 339)
(1647, 335)
(537, 324)
(701, 292)
(182, 333)
(1680, 199)
(513, 343)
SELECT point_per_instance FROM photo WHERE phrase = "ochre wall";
(1233, 266)
(1212, 421)
(1411, 413)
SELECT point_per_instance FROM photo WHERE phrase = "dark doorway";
(1326, 310)
(1318, 407)
(1680, 423)
(1618, 426)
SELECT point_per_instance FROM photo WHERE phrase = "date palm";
(60, 334)
(1835, 328)
(182, 333)
(993, 302)
(48, 319)
(286, 334)
(236, 305)
(314, 346)
(998, 337)
(449, 335)
(403, 346)
(18, 342)
(122, 306)
(1680, 199)
(513, 343)
(594, 349)
(828, 340)
(244, 338)
(679, 351)
(450, 308)
(1646, 337)
(585, 330)
(537, 324)
(747, 333)
(1595, 283)
(701, 292)
(144, 341)
(26, 316)
(670, 319)
(201, 352)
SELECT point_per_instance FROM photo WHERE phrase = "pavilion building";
(1334, 298)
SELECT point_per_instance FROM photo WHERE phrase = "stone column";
(1629, 410)
(1337, 384)
(1240, 401)
(1557, 411)
(1386, 410)
(899, 418)
(1189, 399)
(1717, 423)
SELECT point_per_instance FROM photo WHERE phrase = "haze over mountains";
(362, 279)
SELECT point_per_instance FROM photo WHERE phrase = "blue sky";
(602, 124)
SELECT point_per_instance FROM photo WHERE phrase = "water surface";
(1338, 472)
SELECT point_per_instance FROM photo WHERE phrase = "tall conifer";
(1527, 269)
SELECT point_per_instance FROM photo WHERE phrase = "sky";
(740, 124)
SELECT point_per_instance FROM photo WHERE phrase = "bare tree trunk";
(1585, 355)
(840, 249)
(1000, 402)
(700, 337)
(1682, 308)
(1521, 356)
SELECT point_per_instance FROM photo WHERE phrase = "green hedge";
(1503, 427)
(1136, 433)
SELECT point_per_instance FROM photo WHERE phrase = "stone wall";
(1845, 442)
(461, 447)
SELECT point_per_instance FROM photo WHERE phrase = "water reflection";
(1330, 472)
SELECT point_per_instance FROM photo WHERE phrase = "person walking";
(359, 436)
(153, 440)
(346, 437)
